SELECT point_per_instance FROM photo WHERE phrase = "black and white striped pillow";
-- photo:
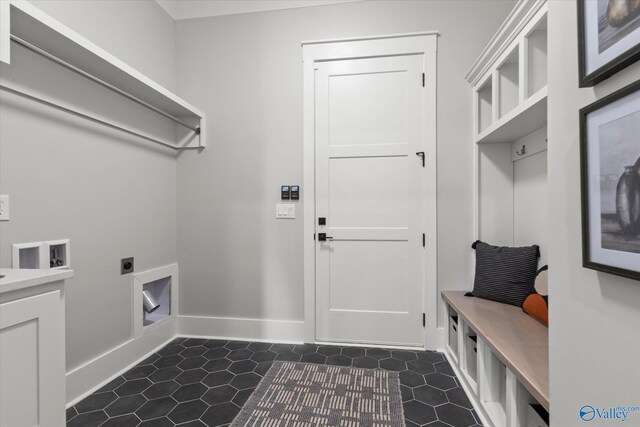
(505, 274)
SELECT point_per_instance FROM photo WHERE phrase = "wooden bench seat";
(519, 341)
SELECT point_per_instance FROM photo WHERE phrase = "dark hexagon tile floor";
(198, 382)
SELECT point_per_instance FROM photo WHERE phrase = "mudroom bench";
(501, 356)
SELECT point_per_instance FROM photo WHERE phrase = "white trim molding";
(90, 376)
(178, 10)
(358, 39)
(424, 44)
(233, 328)
(519, 17)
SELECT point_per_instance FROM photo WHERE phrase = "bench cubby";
(511, 359)
(468, 359)
(493, 390)
(471, 354)
(537, 416)
(452, 327)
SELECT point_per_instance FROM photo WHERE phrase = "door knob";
(322, 237)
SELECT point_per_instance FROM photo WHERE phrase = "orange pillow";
(536, 304)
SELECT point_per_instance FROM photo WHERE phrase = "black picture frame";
(588, 79)
(625, 100)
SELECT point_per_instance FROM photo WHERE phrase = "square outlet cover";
(126, 265)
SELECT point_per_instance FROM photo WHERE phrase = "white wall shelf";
(509, 78)
(29, 23)
(519, 121)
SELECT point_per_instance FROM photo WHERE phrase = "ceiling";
(187, 9)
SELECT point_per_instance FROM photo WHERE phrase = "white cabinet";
(509, 86)
(510, 78)
(32, 350)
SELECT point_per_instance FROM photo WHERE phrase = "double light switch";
(285, 210)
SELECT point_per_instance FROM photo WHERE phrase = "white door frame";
(425, 44)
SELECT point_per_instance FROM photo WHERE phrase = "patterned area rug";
(304, 395)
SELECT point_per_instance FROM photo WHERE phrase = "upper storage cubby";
(509, 83)
(510, 77)
(535, 43)
(485, 105)
(26, 26)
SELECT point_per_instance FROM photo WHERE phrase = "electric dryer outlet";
(126, 265)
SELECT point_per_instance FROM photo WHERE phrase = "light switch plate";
(4, 208)
(285, 210)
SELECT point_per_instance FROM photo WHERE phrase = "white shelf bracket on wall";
(23, 24)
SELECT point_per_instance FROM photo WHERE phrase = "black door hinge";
(424, 319)
(423, 79)
(424, 240)
(314, 236)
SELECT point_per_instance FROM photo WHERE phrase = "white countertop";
(22, 278)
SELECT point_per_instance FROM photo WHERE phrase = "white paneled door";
(370, 177)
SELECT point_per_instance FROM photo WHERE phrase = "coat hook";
(522, 151)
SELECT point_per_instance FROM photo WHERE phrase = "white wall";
(594, 317)
(113, 195)
(245, 72)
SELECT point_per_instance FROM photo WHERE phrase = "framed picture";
(608, 37)
(610, 175)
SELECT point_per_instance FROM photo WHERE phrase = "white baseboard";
(440, 339)
(85, 379)
(282, 331)
(89, 377)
